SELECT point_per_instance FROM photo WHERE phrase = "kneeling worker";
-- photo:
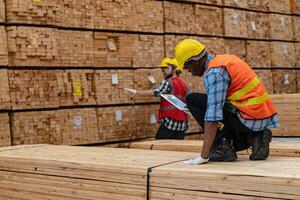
(173, 122)
(235, 96)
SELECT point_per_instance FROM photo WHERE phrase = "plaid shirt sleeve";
(216, 83)
(164, 88)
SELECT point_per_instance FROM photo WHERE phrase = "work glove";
(196, 161)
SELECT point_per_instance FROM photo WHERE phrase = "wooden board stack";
(5, 99)
(82, 53)
(79, 126)
(285, 81)
(110, 86)
(30, 89)
(288, 147)
(51, 172)
(5, 138)
(176, 21)
(141, 82)
(258, 54)
(76, 87)
(287, 106)
(3, 47)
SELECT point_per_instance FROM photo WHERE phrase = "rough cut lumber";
(261, 5)
(189, 18)
(51, 172)
(281, 27)
(3, 47)
(284, 81)
(35, 127)
(288, 107)
(76, 87)
(31, 89)
(146, 120)
(142, 82)
(147, 50)
(258, 54)
(286, 147)
(213, 2)
(266, 78)
(283, 54)
(110, 86)
(234, 3)
(2, 11)
(295, 6)
(5, 139)
(79, 126)
(116, 123)
(5, 99)
(296, 26)
(235, 47)
(282, 6)
(297, 54)
(235, 23)
(298, 80)
(258, 25)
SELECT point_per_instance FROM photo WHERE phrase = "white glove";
(130, 90)
(196, 161)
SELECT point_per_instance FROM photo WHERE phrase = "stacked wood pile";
(66, 56)
(51, 172)
(288, 147)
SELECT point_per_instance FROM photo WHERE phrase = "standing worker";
(173, 122)
(235, 96)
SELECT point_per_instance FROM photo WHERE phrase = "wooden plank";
(258, 54)
(51, 172)
(281, 26)
(283, 55)
(288, 147)
(5, 139)
(3, 46)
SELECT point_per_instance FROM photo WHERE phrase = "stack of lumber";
(285, 82)
(5, 102)
(51, 172)
(141, 82)
(266, 79)
(176, 22)
(79, 126)
(5, 138)
(116, 123)
(288, 107)
(3, 46)
(109, 86)
(146, 120)
(29, 89)
(258, 54)
(288, 147)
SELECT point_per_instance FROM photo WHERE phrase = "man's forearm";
(210, 131)
(145, 92)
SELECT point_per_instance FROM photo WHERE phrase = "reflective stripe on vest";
(253, 101)
(245, 90)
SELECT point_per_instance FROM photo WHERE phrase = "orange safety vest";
(178, 89)
(245, 91)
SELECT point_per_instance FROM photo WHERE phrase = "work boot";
(222, 151)
(260, 145)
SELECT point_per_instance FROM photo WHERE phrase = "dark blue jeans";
(232, 129)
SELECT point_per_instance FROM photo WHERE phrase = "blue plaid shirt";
(216, 83)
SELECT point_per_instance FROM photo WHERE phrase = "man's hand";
(152, 79)
(196, 161)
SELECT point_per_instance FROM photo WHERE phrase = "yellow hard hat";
(169, 61)
(165, 62)
(186, 49)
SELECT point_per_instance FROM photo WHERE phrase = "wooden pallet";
(62, 172)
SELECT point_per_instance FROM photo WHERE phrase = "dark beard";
(169, 76)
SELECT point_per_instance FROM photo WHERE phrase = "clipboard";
(176, 102)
